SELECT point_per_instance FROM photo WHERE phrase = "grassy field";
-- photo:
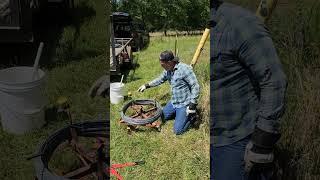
(167, 156)
(79, 59)
(296, 33)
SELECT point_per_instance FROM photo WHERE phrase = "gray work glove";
(100, 87)
(259, 150)
(255, 156)
(143, 87)
(191, 109)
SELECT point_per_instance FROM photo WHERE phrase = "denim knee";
(178, 131)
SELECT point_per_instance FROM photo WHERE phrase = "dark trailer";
(15, 21)
(16, 18)
(125, 26)
(122, 25)
(121, 41)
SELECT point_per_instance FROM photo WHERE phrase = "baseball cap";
(167, 55)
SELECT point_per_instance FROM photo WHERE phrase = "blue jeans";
(227, 163)
(181, 122)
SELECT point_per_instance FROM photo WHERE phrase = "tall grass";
(299, 48)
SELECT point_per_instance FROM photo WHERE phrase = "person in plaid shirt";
(184, 87)
(247, 94)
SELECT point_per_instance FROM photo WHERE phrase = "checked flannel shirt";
(246, 79)
(183, 82)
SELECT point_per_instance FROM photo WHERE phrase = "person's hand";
(143, 87)
(191, 109)
(257, 156)
(100, 87)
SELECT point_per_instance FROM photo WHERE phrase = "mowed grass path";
(166, 155)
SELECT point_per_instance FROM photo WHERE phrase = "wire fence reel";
(141, 112)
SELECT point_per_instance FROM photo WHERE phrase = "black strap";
(264, 139)
(215, 4)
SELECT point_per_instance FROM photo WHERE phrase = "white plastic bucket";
(116, 99)
(116, 92)
(22, 100)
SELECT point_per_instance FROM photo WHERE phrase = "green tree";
(167, 14)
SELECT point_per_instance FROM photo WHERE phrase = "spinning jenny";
(136, 113)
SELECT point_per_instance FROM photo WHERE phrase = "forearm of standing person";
(258, 54)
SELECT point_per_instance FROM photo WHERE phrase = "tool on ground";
(113, 169)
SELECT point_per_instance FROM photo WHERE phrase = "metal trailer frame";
(120, 52)
(121, 47)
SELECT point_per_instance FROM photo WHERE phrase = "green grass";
(72, 75)
(167, 156)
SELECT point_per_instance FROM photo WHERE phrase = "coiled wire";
(139, 121)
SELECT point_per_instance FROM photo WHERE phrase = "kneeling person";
(184, 88)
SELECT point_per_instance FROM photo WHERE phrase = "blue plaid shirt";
(247, 81)
(184, 85)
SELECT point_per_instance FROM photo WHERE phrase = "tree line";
(164, 15)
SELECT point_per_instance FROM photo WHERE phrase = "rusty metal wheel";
(93, 162)
(141, 112)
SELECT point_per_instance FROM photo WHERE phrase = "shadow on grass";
(283, 169)
(53, 115)
(125, 71)
(145, 45)
(48, 25)
(143, 129)
(197, 120)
